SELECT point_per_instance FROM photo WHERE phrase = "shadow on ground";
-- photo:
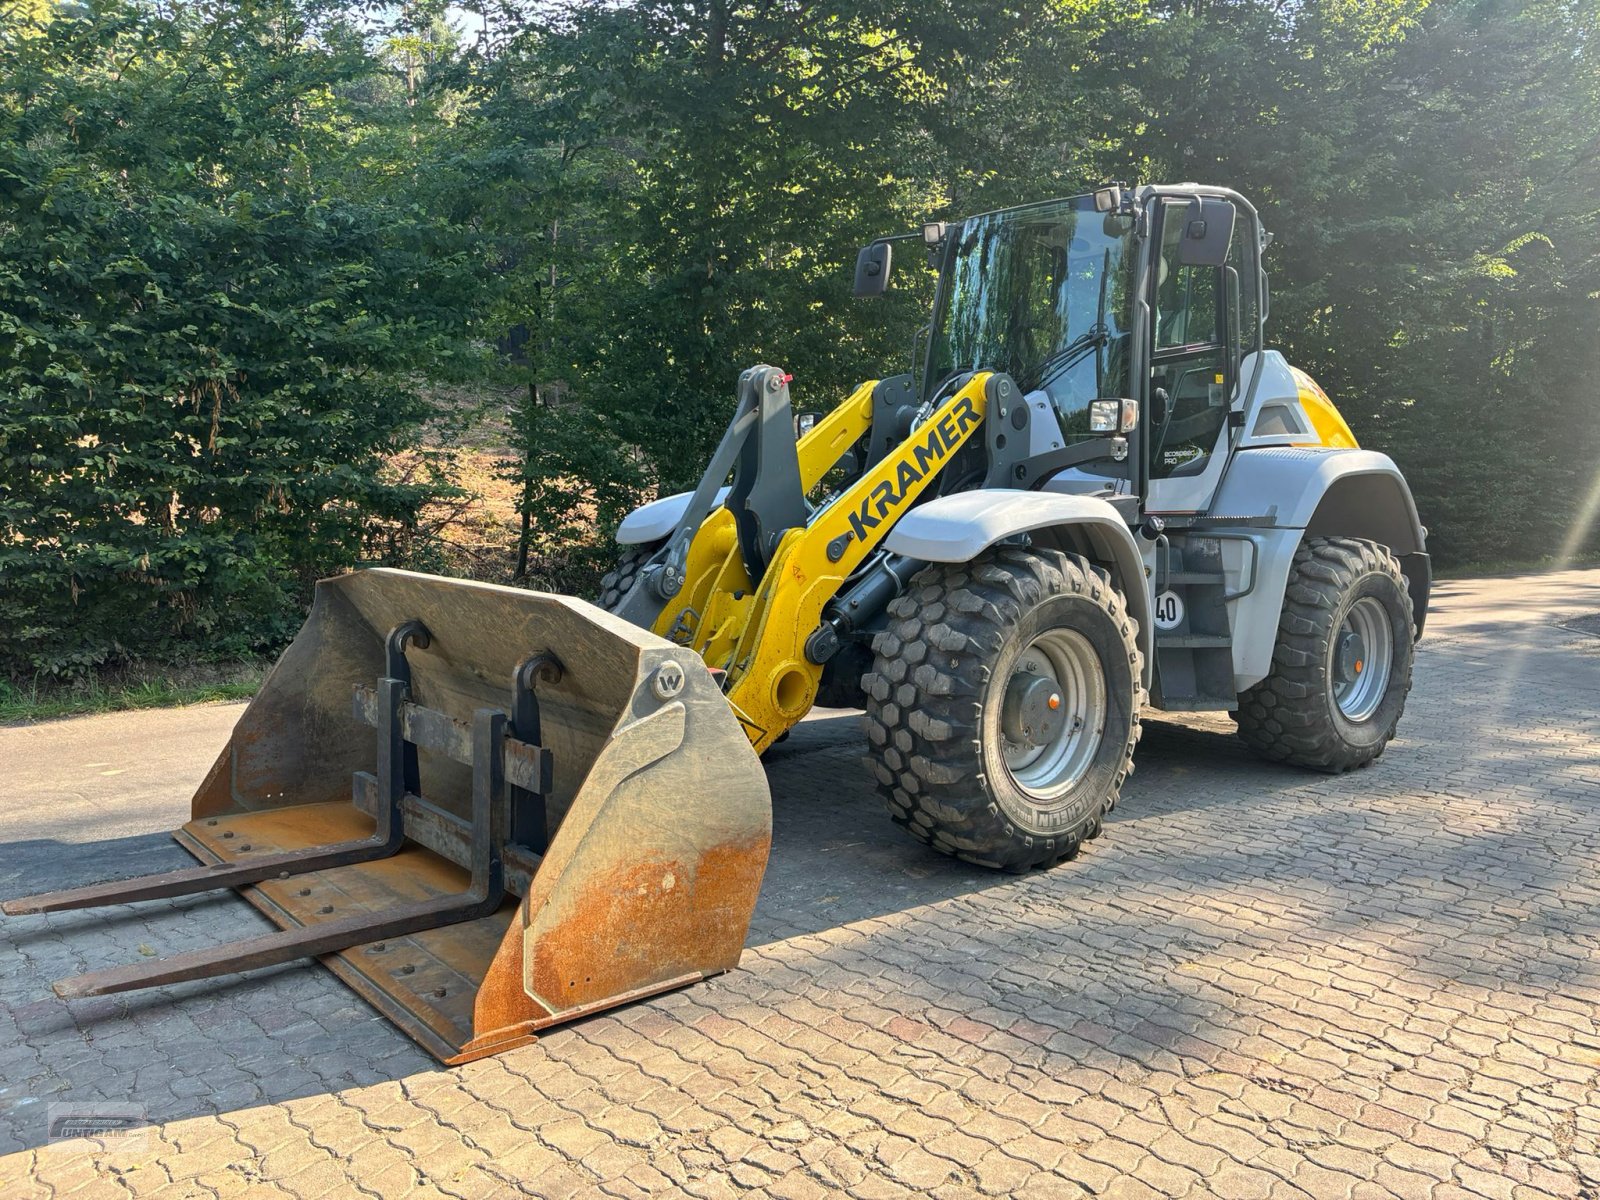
(46, 864)
(295, 1031)
(837, 858)
(1214, 864)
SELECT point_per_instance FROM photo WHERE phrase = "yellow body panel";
(1331, 430)
(772, 684)
(705, 614)
(834, 434)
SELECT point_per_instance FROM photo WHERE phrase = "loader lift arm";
(756, 621)
(774, 681)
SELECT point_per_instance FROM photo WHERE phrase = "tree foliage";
(207, 316)
(1433, 176)
(235, 237)
(1429, 170)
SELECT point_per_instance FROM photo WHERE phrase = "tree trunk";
(525, 536)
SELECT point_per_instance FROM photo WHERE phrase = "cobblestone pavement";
(1259, 983)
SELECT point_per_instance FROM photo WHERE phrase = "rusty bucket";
(487, 810)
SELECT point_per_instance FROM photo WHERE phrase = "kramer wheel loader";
(490, 811)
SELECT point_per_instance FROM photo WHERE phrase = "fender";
(1373, 494)
(652, 522)
(1353, 493)
(955, 529)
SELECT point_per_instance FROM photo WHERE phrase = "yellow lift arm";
(757, 634)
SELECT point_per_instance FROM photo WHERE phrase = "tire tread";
(1284, 718)
(925, 701)
(618, 582)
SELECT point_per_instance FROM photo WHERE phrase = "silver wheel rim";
(1048, 767)
(1359, 669)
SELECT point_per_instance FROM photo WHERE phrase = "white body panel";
(955, 529)
(652, 522)
(1253, 617)
(1276, 416)
(1044, 431)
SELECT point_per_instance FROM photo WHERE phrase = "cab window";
(1190, 358)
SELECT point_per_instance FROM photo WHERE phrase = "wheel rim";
(1362, 657)
(1048, 749)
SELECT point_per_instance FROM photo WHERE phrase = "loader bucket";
(487, 810)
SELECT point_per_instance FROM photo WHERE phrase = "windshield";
(1043, 293)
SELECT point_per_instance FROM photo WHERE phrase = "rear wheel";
(619, 581)
(1003, 706)
(1342, 667)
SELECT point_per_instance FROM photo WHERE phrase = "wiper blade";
(1096, 336)
(1069, 355)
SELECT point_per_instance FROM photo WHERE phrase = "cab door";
(1193, 365)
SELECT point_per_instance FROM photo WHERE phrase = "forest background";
(292, 286)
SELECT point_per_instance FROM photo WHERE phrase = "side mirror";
(1207, 233)
(872, 269)
(1159, 402)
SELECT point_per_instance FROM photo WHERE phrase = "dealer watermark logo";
(116, 1126)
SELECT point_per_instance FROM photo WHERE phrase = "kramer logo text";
(926, 457)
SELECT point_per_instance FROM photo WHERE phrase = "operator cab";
(1150, 295)
(1043, 293)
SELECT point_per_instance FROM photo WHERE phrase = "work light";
(1113, 416)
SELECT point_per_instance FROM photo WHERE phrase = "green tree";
(749, 154)
(1431, 173)
(213, 298)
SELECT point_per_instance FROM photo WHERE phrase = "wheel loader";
(490, 810)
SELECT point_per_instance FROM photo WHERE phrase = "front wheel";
(1341, 669)
(1003, 706)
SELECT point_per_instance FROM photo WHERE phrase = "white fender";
(1294, 481)
(954, 529)
(654, 521)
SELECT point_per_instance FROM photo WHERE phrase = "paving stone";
(1260, 983)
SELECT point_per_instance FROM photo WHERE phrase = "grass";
(136, 686)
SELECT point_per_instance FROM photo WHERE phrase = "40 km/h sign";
(1168, 609)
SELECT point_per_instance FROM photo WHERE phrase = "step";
(1193, 641)
(1211, 577)
(1199, 703)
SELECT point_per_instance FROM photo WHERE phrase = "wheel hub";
(1350, 659)
(1053, 713)
(1032, 712)
(1361, 659)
